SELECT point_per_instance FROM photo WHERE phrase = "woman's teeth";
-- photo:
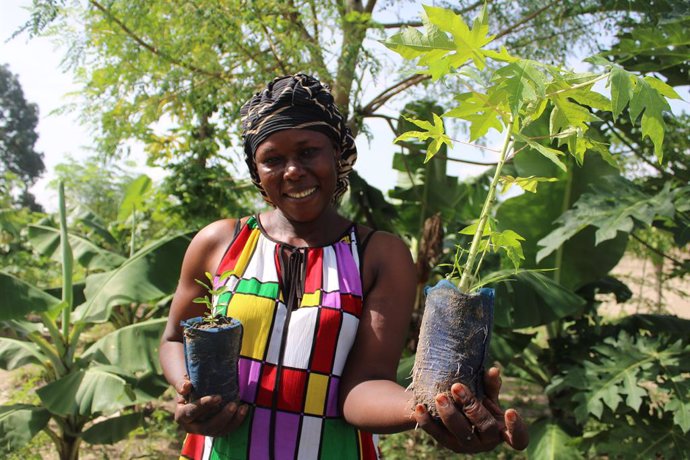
(302, 194)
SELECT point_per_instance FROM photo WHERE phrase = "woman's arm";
(203, 255)
(373, 401)
(370, 396)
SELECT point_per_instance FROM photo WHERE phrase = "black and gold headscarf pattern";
(297, 102)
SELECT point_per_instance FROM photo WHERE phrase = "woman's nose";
(294, 169)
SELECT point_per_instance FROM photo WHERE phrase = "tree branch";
(376, 103)
(626, 142)
(153, 49)
(312, 41)
(396, 25)
(655, 250)
(525, 19)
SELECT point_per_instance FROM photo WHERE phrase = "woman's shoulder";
(217, 234)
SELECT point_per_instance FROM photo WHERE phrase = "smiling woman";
(324, 303)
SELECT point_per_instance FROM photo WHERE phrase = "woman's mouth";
(302, 194)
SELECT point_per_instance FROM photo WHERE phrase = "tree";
(174, 74)
(18, 120)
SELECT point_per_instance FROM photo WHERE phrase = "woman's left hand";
(468, 425)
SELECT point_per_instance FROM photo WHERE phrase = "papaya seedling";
(508, 95)
(212, 345)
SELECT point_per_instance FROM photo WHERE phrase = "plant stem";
(67, 261)
(466, 279)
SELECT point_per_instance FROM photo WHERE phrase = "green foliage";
(517, 94)
(626, 383)
(19, 423)
(118, 371)
(550, 121)
(549, 441)
(612, 207)
(155, 269)
(18, 156)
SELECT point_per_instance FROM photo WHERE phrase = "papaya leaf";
(87, 392)
(548, 441)
(611, 208)
(113, 429)
(546, 152)
(618, 369)
(520, 83)
(434, 130)
(20, 298)
(19, 423)
(46, 241)
(620, 83)
(18, 353)
(649, 102)
(528, 184)
(148, 275)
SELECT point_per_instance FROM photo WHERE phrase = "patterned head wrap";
(302, 102)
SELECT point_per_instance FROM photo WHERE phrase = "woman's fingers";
(492, 384)
(487, 428)
(516, 433)
(425, 422)
(189, 413)
(455, 422)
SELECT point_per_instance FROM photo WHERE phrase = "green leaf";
(612, 208)
(520, 83)
(620, 82)
(434, 131)
(530, 215)
(19, 423)
(528, 184)
(20, 298)
(46, 241)
(567, 115)
(410, 43)
(547, 152)
(472, 229)
(87, 392)
(509, 242)
(404, 373)
(533, 299)
(136, 194)
(646, 100)
(18, 353)
(148, 275)
(549, 441)
(680, 407)
(132, 349)
(113, 429)
(506, 344)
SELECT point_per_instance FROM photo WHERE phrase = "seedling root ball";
(453, 342)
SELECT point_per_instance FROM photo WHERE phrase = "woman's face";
(297, 170)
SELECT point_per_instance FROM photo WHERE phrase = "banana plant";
(89, 395)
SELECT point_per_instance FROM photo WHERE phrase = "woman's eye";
(308, 152)
(271, 161)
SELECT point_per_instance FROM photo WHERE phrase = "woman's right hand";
(207, 416)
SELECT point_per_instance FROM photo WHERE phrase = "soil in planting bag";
(211, 352)
(453, 342)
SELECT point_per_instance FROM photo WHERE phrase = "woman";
(325, 306)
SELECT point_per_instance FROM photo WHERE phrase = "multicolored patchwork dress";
(300, 308)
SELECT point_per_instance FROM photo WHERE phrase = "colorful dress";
(300, 308)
